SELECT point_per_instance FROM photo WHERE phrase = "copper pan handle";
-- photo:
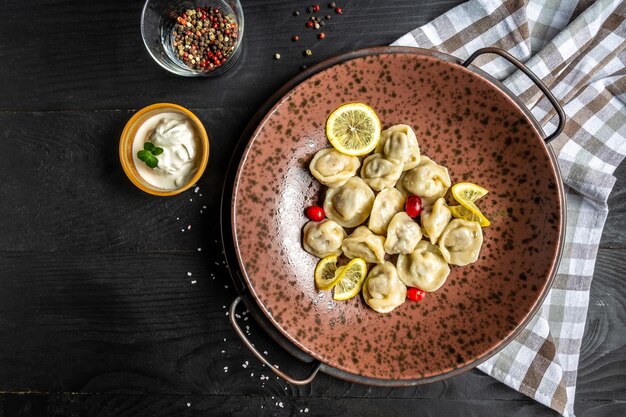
(532, 76)
(246, 341)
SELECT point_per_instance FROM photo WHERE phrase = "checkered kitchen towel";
(578, 49)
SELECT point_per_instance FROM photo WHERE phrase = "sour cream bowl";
(183, 153)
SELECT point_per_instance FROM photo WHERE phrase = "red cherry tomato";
(315, 213)
(413, 206)
(415, 294)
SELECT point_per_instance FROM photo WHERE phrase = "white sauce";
(175, 133)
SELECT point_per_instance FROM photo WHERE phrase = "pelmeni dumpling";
(388, 202)
(403, 234)
(379, 172)
(362, 243)
(399, 142)
(434, 219)
(351, 204)
(323, 238)
(382, 289)
(332, 168)
(424, 268)
(460, 242)
(428, 180)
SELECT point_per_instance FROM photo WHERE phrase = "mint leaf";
(157, 151)
(143, 155)
(152, 162)
(148, 146)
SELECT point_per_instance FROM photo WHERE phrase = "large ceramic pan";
(465, 120)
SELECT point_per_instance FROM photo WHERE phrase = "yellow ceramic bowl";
(128, 136)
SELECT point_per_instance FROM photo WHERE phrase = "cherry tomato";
(315, 213)
(415, 294)
(413, 206)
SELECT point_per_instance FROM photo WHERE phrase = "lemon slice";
(466, 193)
(461, 212)
(326, 272)
(353, 129)
(350, 279)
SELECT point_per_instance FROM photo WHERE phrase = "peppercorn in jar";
(204, 38)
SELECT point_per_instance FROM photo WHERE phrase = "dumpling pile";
(406, 253)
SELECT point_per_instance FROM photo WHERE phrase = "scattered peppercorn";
(296, 13)
(339, 10)
(309, 9)
(309, 24)
(327, 17)
(332, 5)
(308, 52)
(295, 38)
(204, 38)
(415, 294)
(321, 35)
(316, 8)
(277, 56)
(315, 213)
(317, 26)
(413, 206)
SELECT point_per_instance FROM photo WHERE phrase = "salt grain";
(199, 249)
(195, 190)
(193, 282)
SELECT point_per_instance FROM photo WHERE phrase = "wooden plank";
(614, 233)
(278, 404)
(68, 61)
(602, 369)
(63, 188)
(113, 322)
(96, 322)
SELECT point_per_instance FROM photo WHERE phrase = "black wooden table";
(114, 302)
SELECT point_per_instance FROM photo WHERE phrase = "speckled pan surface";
(463, 122)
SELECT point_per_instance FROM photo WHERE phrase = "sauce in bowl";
(164, 149)
(176, 135)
